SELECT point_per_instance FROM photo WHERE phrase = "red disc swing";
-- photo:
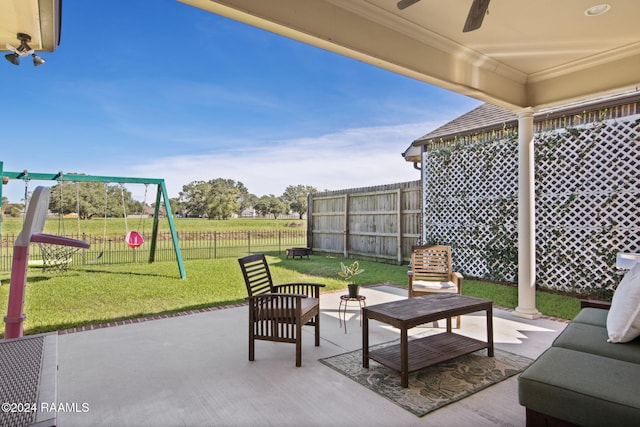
(133, 238)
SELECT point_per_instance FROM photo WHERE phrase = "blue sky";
(162, 90)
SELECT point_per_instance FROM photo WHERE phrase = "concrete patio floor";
(193, 371)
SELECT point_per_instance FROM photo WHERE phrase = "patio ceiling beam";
(609, 77)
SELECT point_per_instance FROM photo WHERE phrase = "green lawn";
(99, 294)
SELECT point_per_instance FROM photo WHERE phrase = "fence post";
(345, 241)
(309, 221)
(400, 225)
(84, 251)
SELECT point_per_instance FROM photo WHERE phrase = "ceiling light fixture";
(597, 10)
(37, 61)
(23, 50)
(14, 58)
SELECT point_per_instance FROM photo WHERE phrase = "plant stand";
(342, 313)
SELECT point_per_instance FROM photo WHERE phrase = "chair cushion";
(422, 285)
(623, 321)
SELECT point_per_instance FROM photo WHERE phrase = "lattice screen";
(587, 199)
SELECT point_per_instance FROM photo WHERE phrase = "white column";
(526, 218)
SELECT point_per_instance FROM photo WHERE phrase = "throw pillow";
(623, 320)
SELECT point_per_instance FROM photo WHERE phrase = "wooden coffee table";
(410, 356)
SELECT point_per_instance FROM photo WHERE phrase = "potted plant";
(348, 273)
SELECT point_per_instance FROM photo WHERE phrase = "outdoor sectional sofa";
(591, 374)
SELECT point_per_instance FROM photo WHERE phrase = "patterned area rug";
(433, 387)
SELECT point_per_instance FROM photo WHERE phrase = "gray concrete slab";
(193, 371)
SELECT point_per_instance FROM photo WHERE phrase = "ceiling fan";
(474, 19)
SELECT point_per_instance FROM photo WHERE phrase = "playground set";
(59, 249)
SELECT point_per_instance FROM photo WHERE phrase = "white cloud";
(349, 158)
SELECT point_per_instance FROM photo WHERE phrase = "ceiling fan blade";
(476, 14)
(403, 4)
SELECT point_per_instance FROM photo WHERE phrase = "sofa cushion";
(592, 316)
(582, 388)
(593, 339)
(623, 321)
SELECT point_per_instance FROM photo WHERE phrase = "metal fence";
(193, 245)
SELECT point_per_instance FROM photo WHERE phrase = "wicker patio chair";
(278, 312)
(432, 273)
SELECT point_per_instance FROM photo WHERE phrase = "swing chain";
(26, 195)
(61, 212)
(144, 207)
(124, 207)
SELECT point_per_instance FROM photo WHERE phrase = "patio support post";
(526, 218)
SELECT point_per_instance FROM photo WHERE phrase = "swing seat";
(40, 263)
(134, 239)
(35, 263)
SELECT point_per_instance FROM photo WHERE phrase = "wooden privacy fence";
(379, 223)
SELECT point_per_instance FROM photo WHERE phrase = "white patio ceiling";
(526, 54)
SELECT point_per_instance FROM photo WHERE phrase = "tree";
(223, 200)
(296, 197)
(271, 205)
(217, 198)
(11, 209)
(177, 207)
(76, 197)
(193, 197)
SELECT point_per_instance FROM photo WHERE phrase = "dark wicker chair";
(277, 313)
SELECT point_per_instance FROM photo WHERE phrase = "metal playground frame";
(161, 196)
